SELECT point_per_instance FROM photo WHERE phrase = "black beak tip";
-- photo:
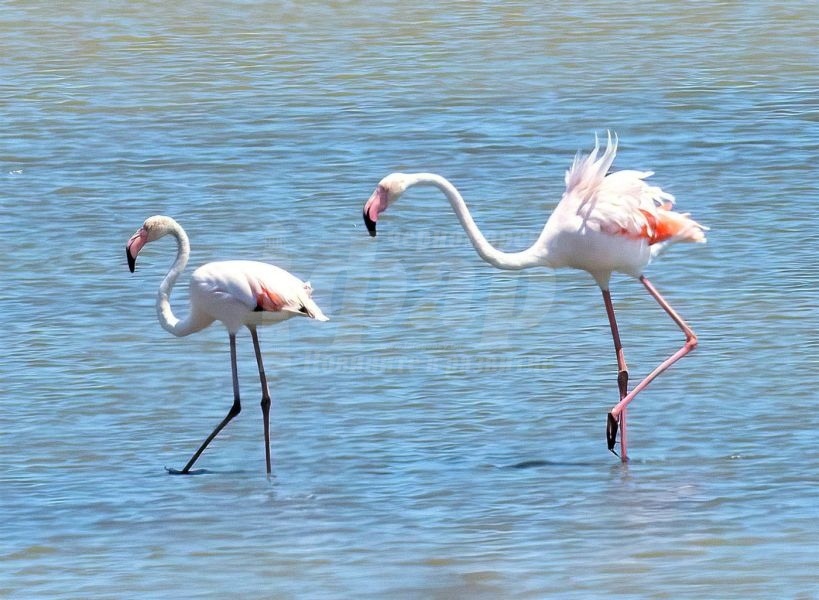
(370, 224)
(131, 260)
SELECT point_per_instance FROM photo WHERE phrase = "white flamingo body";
(230, 291)
(604, 223)
(569, 245)
(238, 293)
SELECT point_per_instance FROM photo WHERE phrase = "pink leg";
(622, 384)
(690, 344)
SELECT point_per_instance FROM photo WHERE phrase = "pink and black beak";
(370, 223)
(376, 204)
(133, 247)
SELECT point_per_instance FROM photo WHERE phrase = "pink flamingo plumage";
(238, 293)
(605, 222)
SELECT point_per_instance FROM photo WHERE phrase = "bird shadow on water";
(171, 471)
(599, 460)
(537, 463)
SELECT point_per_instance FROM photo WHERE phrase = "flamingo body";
(604, 223)
(613, 222)
(241, 293)
(238, 293)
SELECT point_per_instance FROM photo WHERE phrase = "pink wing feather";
(622, 203)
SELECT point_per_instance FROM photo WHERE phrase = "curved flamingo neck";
(164, 312)
(535, 255)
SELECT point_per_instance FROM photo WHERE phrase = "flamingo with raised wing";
(605, 222)
(239, 293)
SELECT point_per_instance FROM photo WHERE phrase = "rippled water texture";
(443, 435)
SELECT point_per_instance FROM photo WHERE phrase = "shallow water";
(443, 435)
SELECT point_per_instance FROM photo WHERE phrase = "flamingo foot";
(612, 426)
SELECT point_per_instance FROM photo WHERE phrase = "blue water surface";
(442, 436)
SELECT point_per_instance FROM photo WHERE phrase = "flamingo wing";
(622, 203)
(235, 288)
(646, 211)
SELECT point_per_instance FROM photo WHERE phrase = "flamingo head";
(388, 191)
(152, 229)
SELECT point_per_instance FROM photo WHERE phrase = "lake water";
(443, 436)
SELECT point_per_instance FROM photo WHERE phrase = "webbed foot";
(612, 426)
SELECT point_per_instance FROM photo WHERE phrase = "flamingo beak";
(133, 247)
(131, 260)
(376, 204)
(369, 223)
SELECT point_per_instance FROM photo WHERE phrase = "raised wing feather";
(622, 202)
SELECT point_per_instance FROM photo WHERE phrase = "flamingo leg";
(234, 410)
(614, 424)
(265, 396)
(690, 344)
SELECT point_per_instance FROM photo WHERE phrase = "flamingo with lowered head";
(605, 222)
(237, 293)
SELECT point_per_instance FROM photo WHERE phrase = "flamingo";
(604, 222)
(237, 293)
